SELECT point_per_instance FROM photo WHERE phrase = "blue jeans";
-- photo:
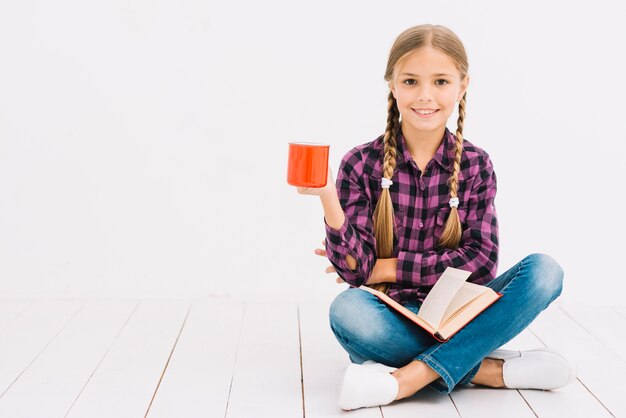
(369, 330)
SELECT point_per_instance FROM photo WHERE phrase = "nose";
(423, 95)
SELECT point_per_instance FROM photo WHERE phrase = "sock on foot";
(367, 384)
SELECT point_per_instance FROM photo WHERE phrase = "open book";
(450, 305)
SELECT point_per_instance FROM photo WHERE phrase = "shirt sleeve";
(356, 236)
(478, 248)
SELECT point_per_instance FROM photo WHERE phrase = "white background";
(143, 144)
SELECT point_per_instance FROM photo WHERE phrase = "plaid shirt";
(420, 202)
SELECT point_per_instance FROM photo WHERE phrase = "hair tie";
(385, 182)
(454, 202)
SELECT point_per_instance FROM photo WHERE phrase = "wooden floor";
(214, 358)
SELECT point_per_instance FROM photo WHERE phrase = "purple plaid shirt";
(420, 202)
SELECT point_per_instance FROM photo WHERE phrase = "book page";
(467, 293)
(441, 294)
(464, 316)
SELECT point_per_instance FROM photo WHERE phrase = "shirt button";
(421, 224)
(343, 244)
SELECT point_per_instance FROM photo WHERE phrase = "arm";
(350, 243)
(478, 249)
(384, 270)
(335, 218)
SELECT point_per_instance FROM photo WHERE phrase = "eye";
(409, 82)
(445, 81)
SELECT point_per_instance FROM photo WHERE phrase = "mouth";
(425, 113)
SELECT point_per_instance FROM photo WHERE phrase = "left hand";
(383, 268)
(329, 269)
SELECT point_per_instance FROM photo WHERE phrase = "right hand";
(320, 191)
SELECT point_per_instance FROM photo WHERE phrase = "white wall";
(143, 144)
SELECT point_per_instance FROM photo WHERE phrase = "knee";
(352, 316)
(547, 274)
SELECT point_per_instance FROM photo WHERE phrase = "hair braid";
(451, 235)
(383, 214)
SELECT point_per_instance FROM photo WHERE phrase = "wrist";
(388, 270)
(328, 194)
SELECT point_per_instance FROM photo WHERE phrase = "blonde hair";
(444, 40)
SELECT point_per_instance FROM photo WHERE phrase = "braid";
(383, 214)
(389, 158)
(451, 235)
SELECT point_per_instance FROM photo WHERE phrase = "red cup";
(308, 164)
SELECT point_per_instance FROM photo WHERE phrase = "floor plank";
(204, 358)
(323, 364)
(28, 335)
(197, 380)
(601, 374)
(424, 404)
(266, 380)
(126, 380)
(603, 322)
(11, 309)
(570, 401)
(57, 376)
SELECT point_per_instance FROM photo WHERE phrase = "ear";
(393, 90)
(463, 88)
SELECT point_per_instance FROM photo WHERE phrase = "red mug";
(308, 164)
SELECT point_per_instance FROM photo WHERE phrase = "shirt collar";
(403, 156)
(444, 156)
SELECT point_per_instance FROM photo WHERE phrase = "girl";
(406, 206)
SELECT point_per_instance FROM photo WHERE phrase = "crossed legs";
(369, 330)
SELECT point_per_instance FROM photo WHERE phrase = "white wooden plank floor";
(219, 358)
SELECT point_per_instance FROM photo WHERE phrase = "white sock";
(367, 384)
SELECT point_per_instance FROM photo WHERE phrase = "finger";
(324, 243)
(330, 269)
(320, 251)
(339, 280)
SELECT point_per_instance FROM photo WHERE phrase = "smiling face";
(426, 85)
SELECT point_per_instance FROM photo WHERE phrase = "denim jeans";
(369, 330)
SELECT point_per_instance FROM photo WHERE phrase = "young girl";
(406, 206)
